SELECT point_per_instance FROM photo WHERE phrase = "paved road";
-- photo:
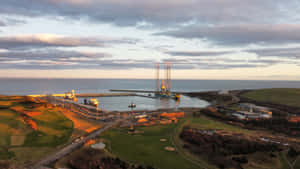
(70, 148)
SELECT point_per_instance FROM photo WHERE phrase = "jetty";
(86, 95)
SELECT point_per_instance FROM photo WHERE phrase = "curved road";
(70, 148)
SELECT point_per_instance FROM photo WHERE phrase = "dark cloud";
(58, 59)
(240, 34)
(76, 64)
(292, 53)
(43, 40)
(2, 23)
(198, 53)
(54, 55)
(61, 59)
(224, 63)
(168, 12)
(266, 62)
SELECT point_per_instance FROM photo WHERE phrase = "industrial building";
(252, 111)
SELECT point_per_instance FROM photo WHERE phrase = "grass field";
(200, 162)
(290, 97)
(206, 123)
(146, 148)
(19, 142)
(53, 129)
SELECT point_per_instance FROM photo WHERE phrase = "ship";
(92, 102)
(70, 96)
(132, 105)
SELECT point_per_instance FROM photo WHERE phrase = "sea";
(10, 86)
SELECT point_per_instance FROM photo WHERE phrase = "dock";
(86, 95)
(133, 91)
(141, 91)
(104, 94)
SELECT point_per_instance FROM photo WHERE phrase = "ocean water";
(48, 86)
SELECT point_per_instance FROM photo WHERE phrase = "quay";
(141, 91)
(86, 95)
(133, 91)
(103, 94)
(86, 111)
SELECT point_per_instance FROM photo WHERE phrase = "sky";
(202, 39)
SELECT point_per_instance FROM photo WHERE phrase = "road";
(70, 148)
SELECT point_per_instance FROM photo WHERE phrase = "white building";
(243, 115)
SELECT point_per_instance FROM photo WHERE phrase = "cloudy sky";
(203, 39)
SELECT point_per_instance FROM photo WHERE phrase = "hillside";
(30, 129)
(284, 96)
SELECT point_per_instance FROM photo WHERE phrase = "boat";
(177, 96)
(92, 102)
(70, 96)
(132, 105)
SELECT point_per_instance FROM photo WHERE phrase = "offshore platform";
(163, 86)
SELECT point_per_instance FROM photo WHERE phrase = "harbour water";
(143, 103)
(48, 86)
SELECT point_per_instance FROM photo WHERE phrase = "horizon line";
(60, 78)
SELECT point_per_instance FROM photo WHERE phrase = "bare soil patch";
(17, 140)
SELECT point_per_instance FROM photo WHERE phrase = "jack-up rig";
(163, 86)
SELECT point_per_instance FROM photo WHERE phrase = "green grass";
(207, 123)
(200, 162)
(290, 97)
(146, 148)
(297, 164)
(9, 120)
(54, 120)
(284, 163)
(5, 154)
(12, 119)
(12, 124)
